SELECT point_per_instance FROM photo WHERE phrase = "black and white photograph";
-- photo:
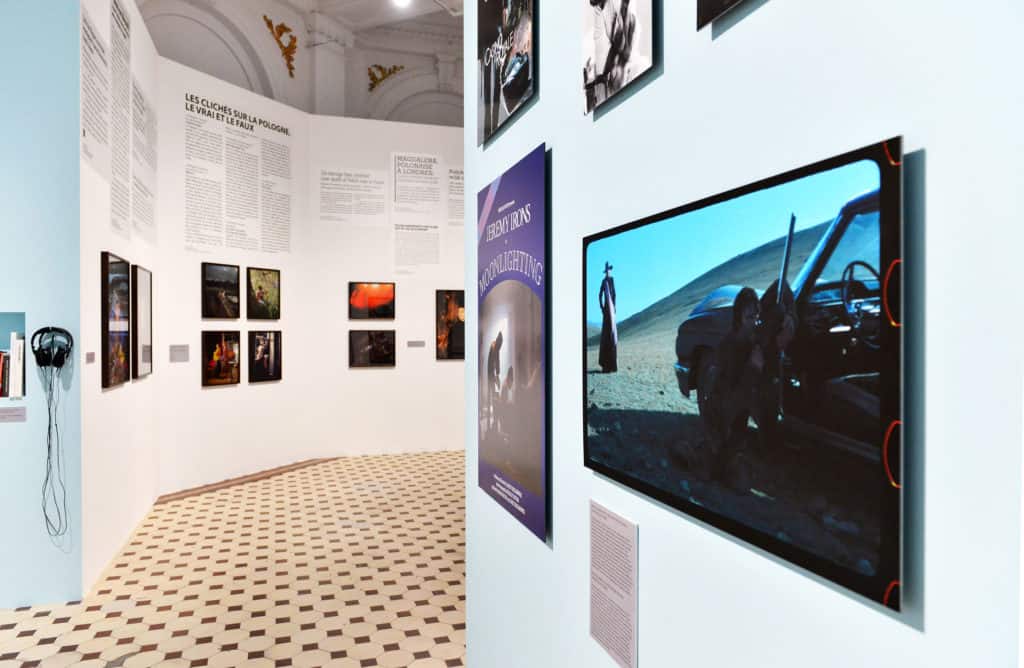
(618, 46)
(506, 61)
(142, 323)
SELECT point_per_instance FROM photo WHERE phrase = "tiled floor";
(352, 562)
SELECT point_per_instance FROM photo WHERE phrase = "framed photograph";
(142, 323)
(450, 313)
(264, 356)
(506, 62)
(709, 10)
(374, 347)
(263, 290)
(512, 273)
(220, 290)
(371, 301)
(221, 357)
(749, 345)
(618, 46)
(115, 328)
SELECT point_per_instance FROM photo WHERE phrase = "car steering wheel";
(854, 315)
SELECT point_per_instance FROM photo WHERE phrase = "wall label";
(179, 354)
(613, 575)
(18, 414)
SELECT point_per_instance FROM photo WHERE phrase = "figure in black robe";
(608, 355)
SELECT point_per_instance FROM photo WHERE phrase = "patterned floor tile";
(357, 561)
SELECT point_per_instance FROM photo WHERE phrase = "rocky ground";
(639, 423)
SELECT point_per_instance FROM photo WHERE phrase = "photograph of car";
(742, 363)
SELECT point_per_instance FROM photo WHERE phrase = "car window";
(860, 242)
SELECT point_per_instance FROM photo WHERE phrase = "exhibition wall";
(195, 170)
(767, 88)
(39, 169)
(320, 407)
(119, 448)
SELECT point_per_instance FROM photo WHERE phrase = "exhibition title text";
(516, 261)
(229, 116)
(415, 165)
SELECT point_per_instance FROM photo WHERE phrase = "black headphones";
(54, 351)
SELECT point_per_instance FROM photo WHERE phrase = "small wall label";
(179, 354)
(18, 414)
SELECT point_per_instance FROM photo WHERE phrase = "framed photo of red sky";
(743, 362)
(512, 364)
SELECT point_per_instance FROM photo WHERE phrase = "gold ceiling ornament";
(379, 74)
(287, 50)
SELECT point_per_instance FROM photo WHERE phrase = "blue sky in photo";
(654, 261)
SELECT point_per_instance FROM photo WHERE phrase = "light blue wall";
(39, 233)
(780, 84)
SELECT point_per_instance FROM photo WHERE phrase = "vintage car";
(831, 380)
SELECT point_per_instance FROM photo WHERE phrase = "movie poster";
(512, 293)
(505, 61)
(744, 364)
(618, 46)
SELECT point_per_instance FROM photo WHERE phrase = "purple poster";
(512, 340)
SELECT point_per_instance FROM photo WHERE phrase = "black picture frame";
(358, 290)
(508, 80)
(219, 293)
(450, 325)
(371, 348)
(608, 75)
(115, 320)
(265, 356)
(881, 584)
(142, 322)
(223, 367)
(710, 10)
(265, 306)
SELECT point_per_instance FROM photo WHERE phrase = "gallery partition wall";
(782, 386)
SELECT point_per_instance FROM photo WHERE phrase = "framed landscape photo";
(450, 315)
(371, 301)
(115, 328)
(220, 290)
(263, 294)
(221, 358)
(142, 323)
(264, 356)
(618, 47)
(750, 346)
(506, 62)
(368, 348)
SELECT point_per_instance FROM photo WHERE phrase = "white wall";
(165, 433)
(321, 407)
(119, 453)
(779, 85)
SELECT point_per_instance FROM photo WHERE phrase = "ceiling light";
(402, 4)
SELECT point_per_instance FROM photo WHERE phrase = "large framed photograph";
(263, 294)
(115, 298)
(506, 62)
(450, 312)
(512, 273)
(371, 301)
(618, 46)
(142, 322)
(709, 10)
(221, 358)
(220, 290)
(264, 356)
(371, 347)
(743, 360)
